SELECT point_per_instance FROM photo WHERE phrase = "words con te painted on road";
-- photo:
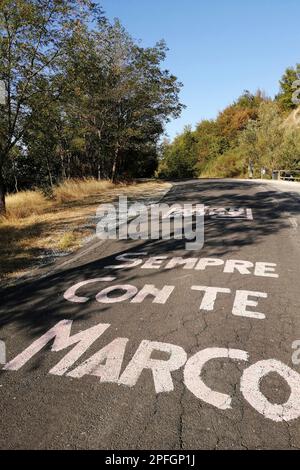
(108, 363)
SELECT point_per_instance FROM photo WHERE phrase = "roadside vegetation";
(83, 98)
(36, 227)
(82, 116)
(255, 130)
(82, 109)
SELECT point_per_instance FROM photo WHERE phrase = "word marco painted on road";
(107, 364)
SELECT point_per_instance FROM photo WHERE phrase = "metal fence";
(286, 175)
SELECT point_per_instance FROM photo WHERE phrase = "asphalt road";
(244, 356)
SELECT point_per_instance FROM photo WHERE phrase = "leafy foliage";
(250, 132)
(287, 88)
(83, 98)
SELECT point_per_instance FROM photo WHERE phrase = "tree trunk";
(16, 183)
(49, 173)
(114, 167)
(2, 194)
(15, 176)
(63, 169)
(69, 165)
(99, 156)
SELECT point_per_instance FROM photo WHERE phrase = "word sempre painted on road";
(107, 364)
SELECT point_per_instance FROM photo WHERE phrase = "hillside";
(254, 132)
(293, 120)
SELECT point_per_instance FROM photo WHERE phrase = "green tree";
(291, 149)
(287, 88)
(209, 143)
(262, 139)
(121, 97)
(32, 38)
(179, 159)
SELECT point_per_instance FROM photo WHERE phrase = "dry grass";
(71, 190)
(25, 204)
(35, 226)
(67, 241)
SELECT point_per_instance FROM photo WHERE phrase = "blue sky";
(218, 48)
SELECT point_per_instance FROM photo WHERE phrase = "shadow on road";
(37, 305)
